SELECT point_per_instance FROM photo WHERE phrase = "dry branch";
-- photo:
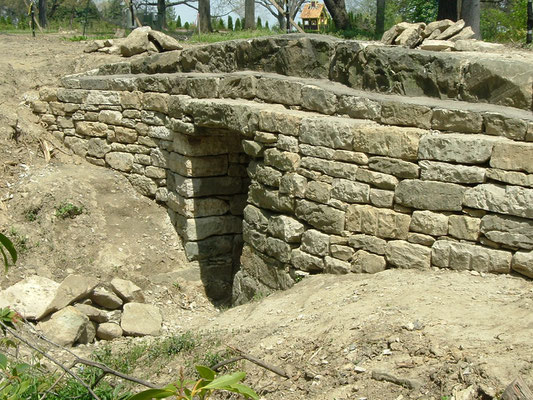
(261, 363)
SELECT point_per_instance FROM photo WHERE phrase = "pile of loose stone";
(443, 35)
(81, 309)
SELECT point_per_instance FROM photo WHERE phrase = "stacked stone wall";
(309, 175)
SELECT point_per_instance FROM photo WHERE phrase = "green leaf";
(246, 391)
(3, 361)
(9, 246)
(225, 381)
(206, 373)
(6, 261)
(153, 394)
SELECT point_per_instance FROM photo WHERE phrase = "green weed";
(68, 210)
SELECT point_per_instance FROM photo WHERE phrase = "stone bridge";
(285, 156)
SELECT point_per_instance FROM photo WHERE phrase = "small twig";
(271, 368)
(46, 355)
(219, 365)
(54, 385)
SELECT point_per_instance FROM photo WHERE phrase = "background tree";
(42, 13)
(237, 24)
(178, 22)
(471, 13)
(259, 23)
(204, 16)
(294, 8)
(249, 14)
(447, 10)
(380, 18)
(337, 10)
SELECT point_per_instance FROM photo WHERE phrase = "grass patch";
(31, 214)
(68, 210)
(223, 36)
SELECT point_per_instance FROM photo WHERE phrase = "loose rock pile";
(444, 35)
(83, 309)
(140, 40)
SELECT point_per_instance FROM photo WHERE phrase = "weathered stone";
(293, 184)
(439, 171)
(318, 191)
(499, 125)
(163, 42)
(364, 261)
(93, 313)
(103, 97)
(382, 140)
(511, 177)
(65, 327)
(437, 45)
(110, 117)
(322, 217)
(266, 175)
(109, 331)
(202, 228)
(457, 121)
(477, 46)
(288, 143)
(349, 191)
(93, 129)
(331, 168)
(452, 30)
(381, 198)
(268, 199)
(442, 25)
(462, 256)
(512, 200)
(155, 172)
(462, 227)
(359, 107)
(97, 147)
(523, 263)
(419, 238)
(77, 145)
(136, 42)
(369, 243)
(317, 99)
(341, 252)
(465, 34)
(213, 246)
(393, 32)
(198, 166)
(429, 195)
(252, 148)
(306, 262)
(410, 36)
(265, 137)
(402, 114)
(283, 227)
(130, 100)
(510, 231)
(468, 149)
(429, 223)
(334, 266)
(392, 166)
(141, 319)
(280, 91)
(379, 222)
(260, 219)
(120, 161)
(239, 87)
(315, 242)
(144, 185)
(73, 288)
(335, 133)
(125, 135)
(29, 297)
(127, 290)
(280, 120)
(278, 249)
(513, 156)
(282, 160)
(350, 156)
(378, 179)
(200, 187)
(403, 254)
(106, 299)
(88, 334)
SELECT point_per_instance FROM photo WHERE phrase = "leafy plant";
(7, 246)
(201, 389)
(31, 214)
(68, 210)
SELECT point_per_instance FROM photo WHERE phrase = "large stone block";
(325, 218)
(369, 243)
(97, 147)
(202, 228)
(315, 98)
(499, 125)
(468, 149)
(281, 226)
(333, 132)
(140, 319)
(266, 175)
(511, 177)
(200, 187)
(379, 222)
(293, 184)
(306, 262)
(403, 254)
(269, 199)
(510, 231)
(429, 223)
(513, 156)
(335, 266)
(378, 179)
(213, 246)
(278, 249)
(315, 242)
(29, 297)
(279, 120)
(359, 107)
(318, 191)
(204, 145)
(103, 97)
(462, 256)
(331, 168)
(279, 91)
(463, 227)
(93, 129)
(388, 141)
(120, 161)
(429, 195)
(282, 160)
(392, 166)
(364, 261)
(512, 200)
(439, 171)
(197, 207)
(457, 121)
(198, 166)
(350, 192)
(402, 114)
(523, 263)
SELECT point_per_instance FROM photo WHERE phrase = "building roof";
(312, 10)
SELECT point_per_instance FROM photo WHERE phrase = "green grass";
(68, 210)
(215, 37)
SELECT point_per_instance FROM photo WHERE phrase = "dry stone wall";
(270, 177)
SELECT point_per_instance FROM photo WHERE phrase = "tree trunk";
(380, 18)
(161, 14)
(249, 14)
(204, 10)
(337, 9)
(42, 13)
(470, 12)
(447, 10)
(281, 21)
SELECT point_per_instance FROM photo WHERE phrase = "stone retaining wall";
(312, 176)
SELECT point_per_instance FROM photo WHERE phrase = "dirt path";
(435, 333)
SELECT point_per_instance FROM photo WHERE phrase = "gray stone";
(260, 220)
(429, 195)
(334, 266)
(201, 207)
(364, 261)
(91, 129)
(391, 34)
(163, 42)
(510, 231)
(315, 242)
(93, 313)
(439, 171)
(137, 42)
(202, 228)
(280, 91)
(403, 254)
(378, 179)
(381, 198)
(350, 156)
(378, 222)
(462, 256)
(513, 156)
(198, 166)
(318, 99)
(141, 319)
(77, 145)
(306, 262)
(73, 288)
(499, 125)
(359, 107)
(120, 161)
(512, 200)
(429, 223)
(282, 160)
(293, 184)
(144, 185)
(341, 252)
(523, 263)
(88, 334)
(452, 30)
(349, 191)
(331, 168)
(29, 297)
(318, 191)
(369, 243)
(285, 228)
(97, 147)
(477, 46)
(456, 121)
(442, 25)
(322, 217)
(404, 114)
(459, 148)
(419, 238)
(411, 36)
(436, 45)
(127, 290)
(288, 143)
(109, 331)
(201, 187)
(106, 298)
(382, 140)
(463, 227)
(392, 166)
(335, 133)
(127, 135)
(278, 249)
(65, 327)
(252, 148)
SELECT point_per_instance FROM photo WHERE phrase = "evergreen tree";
(230, 23)
(243, 23)
(186, 25)
(259, 24)
(238, 24)
(178, 22)
(221, 24)
(267, 26)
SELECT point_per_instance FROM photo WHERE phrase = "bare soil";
(432, 333)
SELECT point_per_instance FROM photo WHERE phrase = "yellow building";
(314, 16)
